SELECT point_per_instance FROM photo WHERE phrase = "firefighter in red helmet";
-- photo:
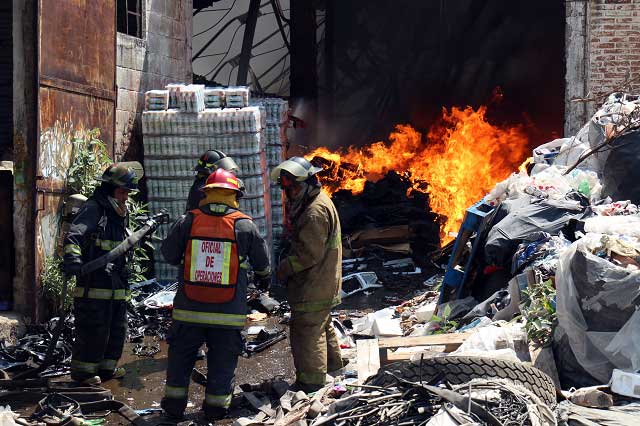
(216, 243)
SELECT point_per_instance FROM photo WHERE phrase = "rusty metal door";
(77, 92)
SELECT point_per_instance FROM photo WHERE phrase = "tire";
(459, 370)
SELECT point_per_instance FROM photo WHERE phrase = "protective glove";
(263, 283)
(72, 269)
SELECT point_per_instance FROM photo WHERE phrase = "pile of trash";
(542, 295)
(149, 312)
(402, 402)
(31, 350)
(566, 242)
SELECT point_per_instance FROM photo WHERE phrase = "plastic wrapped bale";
(622, 169)
(596, 305)
(540, 215)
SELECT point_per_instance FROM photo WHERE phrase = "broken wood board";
(451, 342)
(368, 359)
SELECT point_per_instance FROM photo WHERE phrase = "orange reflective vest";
(211, 261)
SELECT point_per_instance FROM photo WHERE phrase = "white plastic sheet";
(614, 225)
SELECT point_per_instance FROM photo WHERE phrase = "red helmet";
(223, 179)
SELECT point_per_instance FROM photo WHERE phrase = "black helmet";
(123, 175)
(214, 159)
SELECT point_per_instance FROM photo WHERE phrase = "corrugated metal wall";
(6, 84)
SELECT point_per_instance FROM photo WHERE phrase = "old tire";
(460, 369)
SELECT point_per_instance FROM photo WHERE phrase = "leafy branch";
(540, 313)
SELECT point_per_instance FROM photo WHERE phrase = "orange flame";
(461, 158)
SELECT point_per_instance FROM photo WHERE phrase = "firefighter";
(216, 243)
(100, 297)
(207, 164)
(312, 272)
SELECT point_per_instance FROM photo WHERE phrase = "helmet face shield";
(213, 160)
(298, 167)
(227, 164)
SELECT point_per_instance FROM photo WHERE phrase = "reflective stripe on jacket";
(102, 293)
(95, 231)
(251, 249)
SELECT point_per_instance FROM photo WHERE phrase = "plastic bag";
(541, 252)
(510, 188)
(626, 342)
(613, 225)
(621, 171)
(618, 208)
(546, 153)
(160, 300)
(364, 325)
(540, 215)
(492, 338)
(595, 299)
(585, 182)
(457, 307)
(552, 182)
(8, 417)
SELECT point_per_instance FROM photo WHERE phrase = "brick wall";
(162, 56)
(614, 44)
(603, 52)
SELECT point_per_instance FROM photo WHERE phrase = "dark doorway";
(6, 155)
(6, 242)
(401, 61)
(6, 81)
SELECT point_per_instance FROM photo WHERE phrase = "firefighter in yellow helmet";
(312, 271)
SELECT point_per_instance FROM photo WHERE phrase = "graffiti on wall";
(56, 149)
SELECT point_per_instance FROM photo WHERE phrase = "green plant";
(52, 279)
(138, 256)
(539, 312)
(90, 158)
(446, 325)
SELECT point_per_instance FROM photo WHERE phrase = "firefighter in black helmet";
(209, 162)
(100, 297)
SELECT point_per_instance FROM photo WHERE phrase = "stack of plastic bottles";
(190, 98)
(276, 112)
(214, 97)
(156, 100)
(175, 138)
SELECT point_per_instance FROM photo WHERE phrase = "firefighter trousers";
(315, 347)
(100, 333)
(223, 348)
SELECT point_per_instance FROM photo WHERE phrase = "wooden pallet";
(374, 353)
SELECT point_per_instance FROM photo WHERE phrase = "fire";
(461, 158)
